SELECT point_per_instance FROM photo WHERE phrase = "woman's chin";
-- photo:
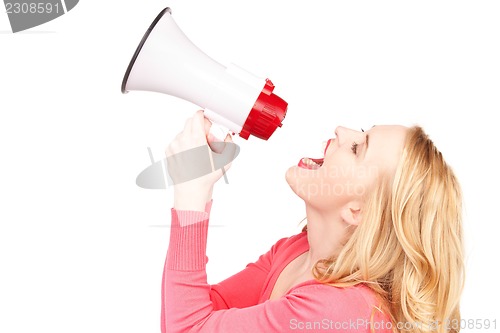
(296, 177)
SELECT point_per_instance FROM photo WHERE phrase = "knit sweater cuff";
(187, 217)
(188, 240)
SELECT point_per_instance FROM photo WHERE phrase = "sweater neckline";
(298, 246)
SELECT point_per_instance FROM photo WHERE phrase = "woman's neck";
(326, 233)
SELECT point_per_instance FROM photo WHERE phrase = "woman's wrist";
(186, 199)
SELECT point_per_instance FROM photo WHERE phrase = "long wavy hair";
(409, 246)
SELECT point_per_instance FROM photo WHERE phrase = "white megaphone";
(166, 61)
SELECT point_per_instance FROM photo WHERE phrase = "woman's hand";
(191, 165)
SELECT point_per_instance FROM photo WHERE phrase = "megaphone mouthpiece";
(266, 115)
(166, 61)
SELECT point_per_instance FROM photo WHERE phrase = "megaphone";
(166, 61)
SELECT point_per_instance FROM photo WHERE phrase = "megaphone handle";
(218, 131)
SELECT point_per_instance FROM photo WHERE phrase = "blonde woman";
(381, 252)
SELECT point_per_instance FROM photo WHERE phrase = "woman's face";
(352, 162)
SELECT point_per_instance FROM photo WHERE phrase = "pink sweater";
(241, 302)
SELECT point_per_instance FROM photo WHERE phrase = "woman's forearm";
(185, 270)
(188, 199)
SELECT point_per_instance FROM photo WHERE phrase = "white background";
(82, 247)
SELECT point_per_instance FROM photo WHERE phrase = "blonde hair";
(409, 246)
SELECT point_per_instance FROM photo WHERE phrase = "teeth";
(310, 162)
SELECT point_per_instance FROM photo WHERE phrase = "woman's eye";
(354, 147)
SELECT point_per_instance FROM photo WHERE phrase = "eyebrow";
(367, 138)
(365, 150)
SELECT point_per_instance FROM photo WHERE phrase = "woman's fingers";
(189, 156)
(207, 125)
(198, 125)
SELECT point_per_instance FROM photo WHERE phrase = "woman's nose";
(347, 135)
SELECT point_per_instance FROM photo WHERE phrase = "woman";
(381, 252)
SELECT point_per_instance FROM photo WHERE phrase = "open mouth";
(314, 163)
(310, 163)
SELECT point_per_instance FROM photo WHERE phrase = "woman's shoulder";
(354, 306)
(359, 294)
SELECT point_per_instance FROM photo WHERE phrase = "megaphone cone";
(166, 61)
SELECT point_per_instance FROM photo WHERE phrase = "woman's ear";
(351, 213)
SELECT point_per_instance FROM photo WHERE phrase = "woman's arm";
(242, 289)
(186, 261)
